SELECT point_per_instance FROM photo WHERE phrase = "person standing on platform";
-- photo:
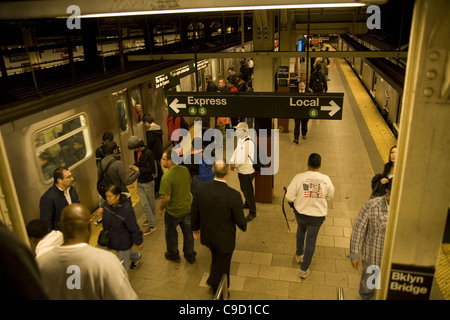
(242, 160)
(77, 271)
(318, 83)
(211, 86)
(120, 220)
(144, 162)
(175, 207)
(42, 239)
(222, 86)
(367, 239)
(298, 121)
(57, 197)
(216, 210)
(154, 136)
(307, 194)
(231, 76)
(250, 65)
(382, 181)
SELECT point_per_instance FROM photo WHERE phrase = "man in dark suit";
(216, 210)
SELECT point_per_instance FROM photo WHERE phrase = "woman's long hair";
(388, 166)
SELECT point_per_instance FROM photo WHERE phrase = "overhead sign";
(260, 105)
(408, 282)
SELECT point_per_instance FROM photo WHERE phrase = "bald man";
(78, 271)
(216, 210)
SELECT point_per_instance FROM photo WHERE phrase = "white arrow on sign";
(333, 108)
(175, 105)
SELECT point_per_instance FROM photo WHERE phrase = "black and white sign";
(408, 282)
(260, 105)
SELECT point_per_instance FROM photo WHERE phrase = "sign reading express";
(261, 105)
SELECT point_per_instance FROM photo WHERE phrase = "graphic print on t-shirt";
(312, 190)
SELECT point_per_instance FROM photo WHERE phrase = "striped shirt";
(369, 231)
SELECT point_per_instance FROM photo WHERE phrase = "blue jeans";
(307, 226)
(171, 234)
(125, 255)
(364, 290)
(146, 192)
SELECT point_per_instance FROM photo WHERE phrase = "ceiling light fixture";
(215, 9)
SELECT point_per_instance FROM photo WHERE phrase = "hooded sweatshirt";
(51, 240)
(154, 140)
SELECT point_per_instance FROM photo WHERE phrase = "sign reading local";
(259, 105)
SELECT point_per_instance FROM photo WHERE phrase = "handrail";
(222, 290)
(340, 293)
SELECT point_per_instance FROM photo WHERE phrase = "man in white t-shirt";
(307, 194)
(77, 271)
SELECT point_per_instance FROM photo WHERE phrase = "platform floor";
(263, 266)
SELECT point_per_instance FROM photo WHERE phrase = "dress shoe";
(250, 217)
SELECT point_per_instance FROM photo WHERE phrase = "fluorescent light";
(212, 9)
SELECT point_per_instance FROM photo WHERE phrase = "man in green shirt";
(176, 202)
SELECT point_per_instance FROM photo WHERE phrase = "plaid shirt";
(370, 230)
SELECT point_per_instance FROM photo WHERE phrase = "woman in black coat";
(120, 220)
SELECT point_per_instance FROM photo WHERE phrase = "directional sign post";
(260, 104)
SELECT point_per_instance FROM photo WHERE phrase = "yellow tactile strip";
(381, 133)
(442, 274)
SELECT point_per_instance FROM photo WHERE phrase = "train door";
(124, 124)
(137, 111)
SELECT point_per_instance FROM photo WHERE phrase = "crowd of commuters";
(193, 196)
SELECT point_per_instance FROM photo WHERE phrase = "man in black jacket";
(154, 136)
(145, 163)
(57, 197)
(216, 210)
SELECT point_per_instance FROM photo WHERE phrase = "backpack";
(205, 172)
(317, 85)
(103, 182)
(183, 123)
(256, 165)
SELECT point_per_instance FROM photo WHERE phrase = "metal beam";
(314, 54)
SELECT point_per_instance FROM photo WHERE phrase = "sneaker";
(304, 274)
(149, 230)
(299, 259)
(296, 141)
(145, 223)
(134, 264)
(98, 221)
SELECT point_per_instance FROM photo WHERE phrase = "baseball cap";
(134, 142)
(242, 125)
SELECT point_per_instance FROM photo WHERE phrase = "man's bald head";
(74, 223)
(221, 169)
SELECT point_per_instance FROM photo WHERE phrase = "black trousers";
(246, 183)
(220, 265)
(304, 125)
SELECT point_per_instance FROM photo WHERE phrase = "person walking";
(77, 271)
(367, 239)
(175, 207)
(216, 211)
(120, 220)
(242, 160)
(307, 194)
(303, 123)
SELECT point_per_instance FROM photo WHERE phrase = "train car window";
(121, 112)
(63, 145)
(137, 105)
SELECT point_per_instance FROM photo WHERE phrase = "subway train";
(68, 133)
(382, 78)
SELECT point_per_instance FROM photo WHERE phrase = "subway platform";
(263, 266)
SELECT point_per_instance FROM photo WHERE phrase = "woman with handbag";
(120, 220)
(383, 181)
